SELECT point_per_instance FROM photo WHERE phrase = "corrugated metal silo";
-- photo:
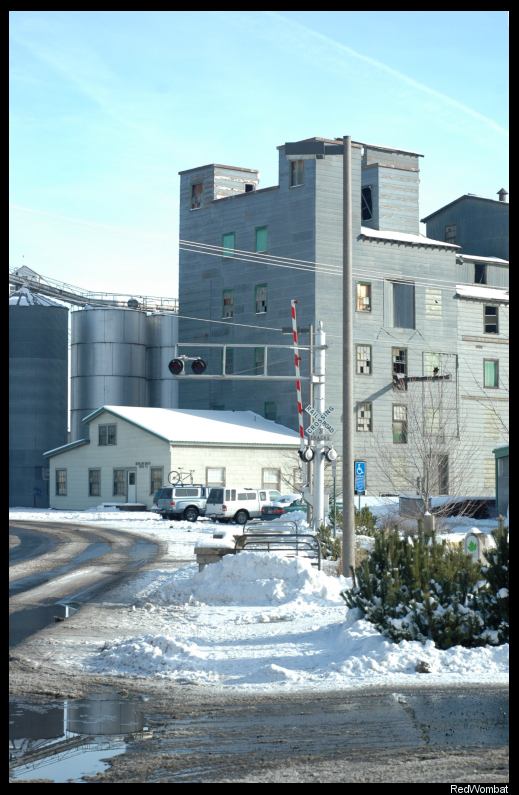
(38, 393)
(108, 362)
(161, 336)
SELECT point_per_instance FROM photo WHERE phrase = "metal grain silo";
(108, 362)
(38, 393)
(161, 336)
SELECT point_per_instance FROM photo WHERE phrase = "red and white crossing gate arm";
(298, 375)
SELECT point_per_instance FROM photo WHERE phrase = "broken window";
(94, 482)
(271, 411)
(451, 233)
(403, 305)
(363, 297)
(197, 192)
(249, 188)
(491, 320)
(260, 299)
(228, 303)
(480, 273)
(433, 363)
(399, 424)
(228, 244)
(259, 361)
(367, 203)
(365, 417)
(490, 373)
(399, 361)
(363, 359)
(297, 172)
(262, 238)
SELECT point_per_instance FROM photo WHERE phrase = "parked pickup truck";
(182, 502)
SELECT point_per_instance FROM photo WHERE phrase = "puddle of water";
(94, 550)
(141, 551)
(26, 622)
(69, 739)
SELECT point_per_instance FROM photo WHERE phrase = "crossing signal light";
(306, 454)
(176, 366)
(198, 366)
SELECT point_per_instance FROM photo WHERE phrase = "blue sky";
(107, 107)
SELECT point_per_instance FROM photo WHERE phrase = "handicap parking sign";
(360, 476)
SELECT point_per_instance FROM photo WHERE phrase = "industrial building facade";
(409, 314)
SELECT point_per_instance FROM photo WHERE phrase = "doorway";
(132, 486)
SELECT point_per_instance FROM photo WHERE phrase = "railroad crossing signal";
(319, 420)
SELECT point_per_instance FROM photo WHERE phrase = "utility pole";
(348, 365)
(309, 465)
(319, 406)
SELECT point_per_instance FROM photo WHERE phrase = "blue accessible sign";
(360, 477)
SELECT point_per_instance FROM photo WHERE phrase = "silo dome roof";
(24, 297)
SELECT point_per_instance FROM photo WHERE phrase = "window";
(399, 356)
(297, 172)
(271, 411)
(119, 481)
(186, 492)
(94, 482)
(61, 482)
(156, 479)
(249, 187)
(215, 476)
(262, 238)
(490, 373)
(107, 434)
(367, 203)
(433, 363)
(403, 305)
(271, 478)
(228, 245)
(491, 320)
(197, 192)
(365, 417)
(230, 494)
(259, 361)
(480, 273)
(363, 297)
(363, 359)
(260, 299)
(451, 233)
(228, 303)
(400, 424)
(229, 361)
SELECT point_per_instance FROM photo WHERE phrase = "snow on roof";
(482, 292)
(193, 426)
(389, 148)
(404, 237)
(24, 297)
(476, 258)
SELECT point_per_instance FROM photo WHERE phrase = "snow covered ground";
(254, 621)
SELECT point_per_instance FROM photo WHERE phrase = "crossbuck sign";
(319, 420)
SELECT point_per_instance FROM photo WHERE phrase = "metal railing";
(287, 542)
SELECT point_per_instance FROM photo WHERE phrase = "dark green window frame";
(259, 361)
(228, 249)
(260, 304)
(227, 304)
(256, 243)
(270, 410)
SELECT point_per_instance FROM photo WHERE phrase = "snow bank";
(251, 578)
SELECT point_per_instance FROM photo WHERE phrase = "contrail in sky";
(389, 70)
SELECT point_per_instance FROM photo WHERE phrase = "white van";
(238, 503)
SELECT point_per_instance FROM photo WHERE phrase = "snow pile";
(251, 578)
(341, 655)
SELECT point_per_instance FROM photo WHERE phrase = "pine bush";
(365, 522)
(330, 547)
(419, 589)
(494, 599)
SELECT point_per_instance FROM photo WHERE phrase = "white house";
(132, 451)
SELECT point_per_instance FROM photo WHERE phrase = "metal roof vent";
(502, 195)
(133, 303)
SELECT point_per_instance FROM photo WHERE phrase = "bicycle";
(181, 477)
